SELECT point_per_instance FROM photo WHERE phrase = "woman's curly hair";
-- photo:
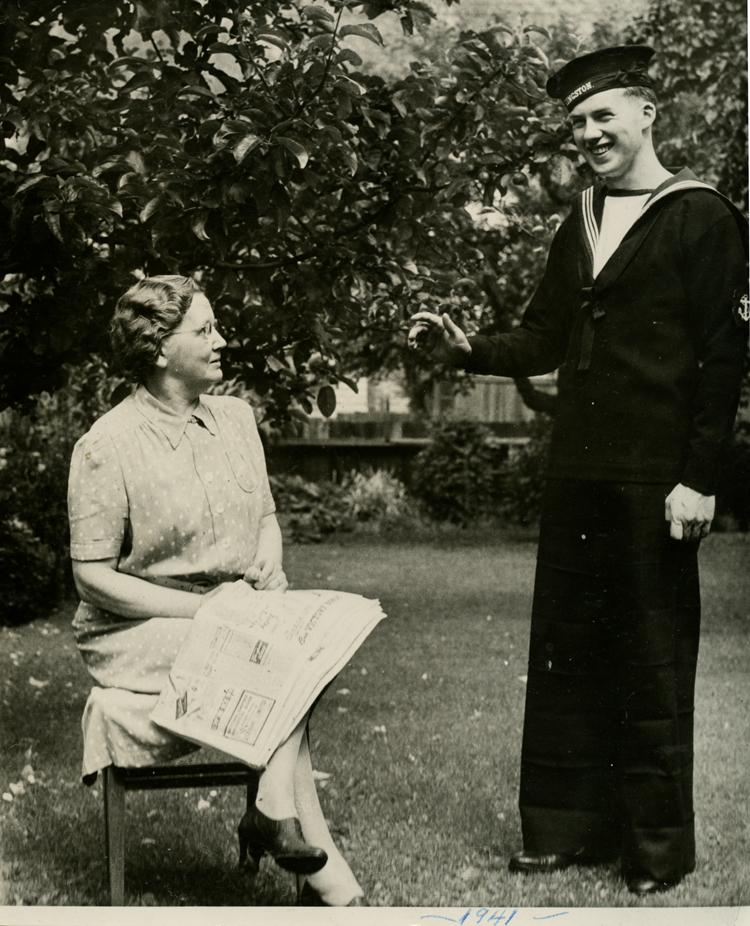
(144, 316)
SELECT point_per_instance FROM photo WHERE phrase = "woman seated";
(169, 499)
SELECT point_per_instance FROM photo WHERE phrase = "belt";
(199, 588)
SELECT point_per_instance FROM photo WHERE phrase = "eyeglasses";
(206, 331)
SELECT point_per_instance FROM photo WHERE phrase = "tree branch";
(442, 128)
(261, 76)
(159, 55)
(327, 69)
(370, 218)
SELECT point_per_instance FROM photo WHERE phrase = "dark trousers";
(607, 754)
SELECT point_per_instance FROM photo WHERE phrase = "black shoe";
(644, 886)
(309, 897)
(541, 862)
(281, 839)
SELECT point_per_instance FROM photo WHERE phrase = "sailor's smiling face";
(610, 129)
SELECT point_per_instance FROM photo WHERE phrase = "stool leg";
(114, 835)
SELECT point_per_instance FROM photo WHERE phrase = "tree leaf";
(351, 160)
(296, 148)
(244, 146)
(540, 29)
(276, 364)
(364, 31)
(150, 208)
(16, 119)
(223, 48)
(206, 31)
(239, 192)
(324, 42)
(198, 225)
(133, 62)
(30, 182)
(52, 217)
(135, 159)
(271, 38)
(137, 81)
(194, 90)
(317, 13)
(350, 86)
(348, 54)
(326, 400)
(350, 383)
(111, 164)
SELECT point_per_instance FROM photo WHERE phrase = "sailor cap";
(604, 69)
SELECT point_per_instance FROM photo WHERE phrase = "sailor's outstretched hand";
(439, 335)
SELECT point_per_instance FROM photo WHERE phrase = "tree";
(244, 143)
(701, 71)
(319, 203)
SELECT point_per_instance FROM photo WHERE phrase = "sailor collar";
(171, 423)
(590, 208)
(592, 204)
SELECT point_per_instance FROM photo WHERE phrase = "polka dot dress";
(178, 500)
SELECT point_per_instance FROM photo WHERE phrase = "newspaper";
(254, 662)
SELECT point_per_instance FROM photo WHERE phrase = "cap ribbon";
(633, 78)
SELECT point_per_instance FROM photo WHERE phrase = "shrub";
(309, 511)
(462, 476)
(27, 576)
(456, 476)
(522, 475)
(35, 450)
(377, 499)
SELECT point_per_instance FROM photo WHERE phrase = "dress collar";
(169, 422)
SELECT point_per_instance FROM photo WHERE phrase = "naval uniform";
(643, 314)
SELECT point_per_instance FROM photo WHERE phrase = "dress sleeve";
(97, 500)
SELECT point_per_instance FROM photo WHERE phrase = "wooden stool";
(150, 778)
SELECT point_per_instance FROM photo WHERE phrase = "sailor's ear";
(649, 112)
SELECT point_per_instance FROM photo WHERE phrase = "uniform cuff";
(480, 358)
(701, 478)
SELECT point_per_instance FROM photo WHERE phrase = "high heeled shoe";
(281, 839)
(309, 897)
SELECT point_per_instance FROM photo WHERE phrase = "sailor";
(642, 309)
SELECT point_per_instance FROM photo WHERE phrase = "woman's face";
(192, 352)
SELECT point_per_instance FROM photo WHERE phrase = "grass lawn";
(420, 735)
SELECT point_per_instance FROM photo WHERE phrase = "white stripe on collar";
(589, 218)
(676, 188)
